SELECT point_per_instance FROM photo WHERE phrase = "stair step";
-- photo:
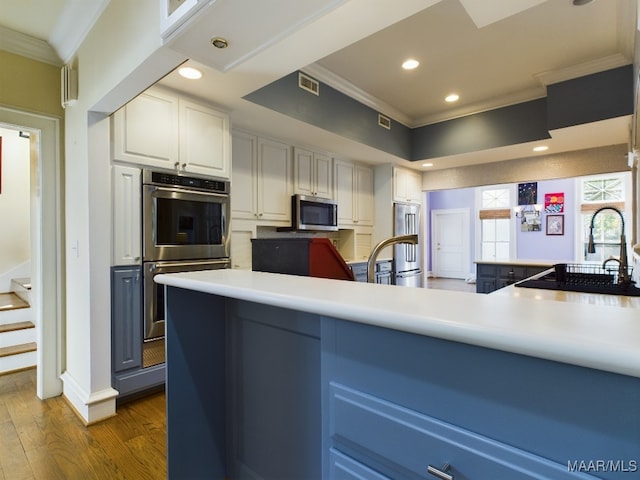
(18, 349)
(12, 327)
(17, 362)
(11, 301)
(22, 288)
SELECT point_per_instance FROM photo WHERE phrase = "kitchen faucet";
(371, 262)
(623, 267)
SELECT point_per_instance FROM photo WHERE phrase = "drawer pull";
(441, 473)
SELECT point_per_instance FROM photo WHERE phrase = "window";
(595, 193)
(495, 223)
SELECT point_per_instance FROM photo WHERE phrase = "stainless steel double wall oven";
(185, 227)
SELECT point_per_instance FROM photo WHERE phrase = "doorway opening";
(45, 239)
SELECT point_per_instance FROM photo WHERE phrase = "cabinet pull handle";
(440, 473)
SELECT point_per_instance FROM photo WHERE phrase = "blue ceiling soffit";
(587, 99)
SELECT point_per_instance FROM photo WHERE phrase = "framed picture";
(555, 224)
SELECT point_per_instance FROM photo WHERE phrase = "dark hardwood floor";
(45, 440)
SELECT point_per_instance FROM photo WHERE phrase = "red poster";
(554, 202)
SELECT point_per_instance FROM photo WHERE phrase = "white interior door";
(450, 244)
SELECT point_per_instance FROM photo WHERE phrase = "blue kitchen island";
(281, 377)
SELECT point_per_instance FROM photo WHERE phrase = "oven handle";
(190, 192)
(155, 265)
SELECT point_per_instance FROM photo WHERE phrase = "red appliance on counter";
(311, 257)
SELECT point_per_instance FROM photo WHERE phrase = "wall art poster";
(555, 224)
(554, 202)
(527, 193)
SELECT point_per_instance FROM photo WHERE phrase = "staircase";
(17, 331)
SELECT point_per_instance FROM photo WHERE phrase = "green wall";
(29, 85)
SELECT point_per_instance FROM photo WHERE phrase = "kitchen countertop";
(539, 294)
(381, 259)
(543, 263)
(599, 336)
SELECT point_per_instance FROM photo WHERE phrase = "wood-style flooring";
(449, 284)
(45, 440)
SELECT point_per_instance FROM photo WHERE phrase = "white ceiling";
(491, 52)
(61, 23)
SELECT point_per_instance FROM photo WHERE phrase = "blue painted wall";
(335, 112)
(583, 100)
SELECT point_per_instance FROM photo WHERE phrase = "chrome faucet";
(371, 262)
(623, 263)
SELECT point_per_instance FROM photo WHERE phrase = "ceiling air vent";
(308, 84)
(384, 121)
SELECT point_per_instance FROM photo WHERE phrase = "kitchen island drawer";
(398, 442)
(346, 468)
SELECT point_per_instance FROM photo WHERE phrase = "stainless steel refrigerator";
(406, 258)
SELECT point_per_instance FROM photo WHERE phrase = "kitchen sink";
(584, 278)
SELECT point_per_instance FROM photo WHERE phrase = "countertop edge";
(560, 343)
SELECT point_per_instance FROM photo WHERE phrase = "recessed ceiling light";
(577, 3)
(190, 73)
(427, 164)
(410, 64)
(540, 148)
(219, 42)
(452, 97)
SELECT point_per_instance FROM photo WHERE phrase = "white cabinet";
(161, 130)
(126, 215)
(407, 185)
(145, 130)
(312, 173)
(261, 188)
(354, 193)
(203, 140)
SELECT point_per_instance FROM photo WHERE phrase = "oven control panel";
(196, 183)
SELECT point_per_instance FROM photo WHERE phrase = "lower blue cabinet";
(126, 318)
(376, 439)
(343, 467)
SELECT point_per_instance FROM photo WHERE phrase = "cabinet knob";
(177, 165)
(440, 473)
(184, 165)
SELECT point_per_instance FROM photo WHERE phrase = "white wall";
(125, 37)
(15, 247)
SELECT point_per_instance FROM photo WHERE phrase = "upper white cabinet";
(261, 188)
(312, 173)
(126, 215)
(354, 193)
(407, 185)
(145, 130)
(159, 129)
(204, 140)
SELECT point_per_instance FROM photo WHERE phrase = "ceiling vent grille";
(384, 122)
(308, 84)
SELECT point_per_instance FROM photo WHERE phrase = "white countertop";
(597, 336)
(536, 263)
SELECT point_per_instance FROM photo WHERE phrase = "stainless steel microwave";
(314, 213)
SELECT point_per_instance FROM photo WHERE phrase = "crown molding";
(329, 78)
(28, 46)
(75, 22)
(491, 104)
(580, 70)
